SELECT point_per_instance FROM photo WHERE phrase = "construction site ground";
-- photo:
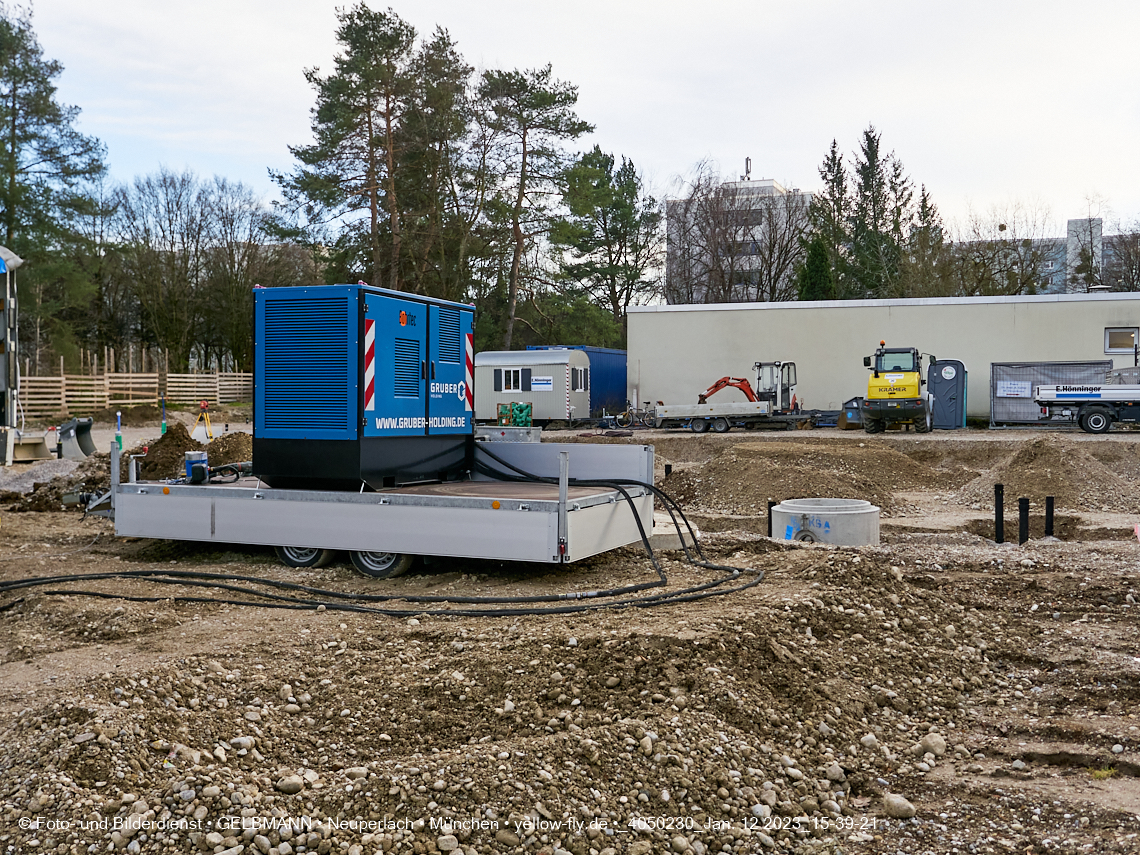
(936, 693)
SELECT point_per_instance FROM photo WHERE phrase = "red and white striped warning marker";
(469, 403)
(369, 364)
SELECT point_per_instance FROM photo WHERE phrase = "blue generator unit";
(356, 385)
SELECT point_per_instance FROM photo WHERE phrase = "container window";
(512, 380)
(580, 380)
(1120, 339)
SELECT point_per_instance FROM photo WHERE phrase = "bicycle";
(646, 416)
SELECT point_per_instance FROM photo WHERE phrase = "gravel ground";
(937, 693)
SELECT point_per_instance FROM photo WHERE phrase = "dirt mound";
(1059, 467)
(140, 416)
(743, 478)
(233, 447)
(167, 457)
(92, 475)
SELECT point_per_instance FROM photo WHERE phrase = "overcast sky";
(984, 102)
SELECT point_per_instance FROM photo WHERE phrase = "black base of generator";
(379, 462)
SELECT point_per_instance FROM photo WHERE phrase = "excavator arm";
(740, 383)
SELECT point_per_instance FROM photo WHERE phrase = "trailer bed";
(483, 518)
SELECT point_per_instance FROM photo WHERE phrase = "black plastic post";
(999, 513)
(771, 505)
(1048, 516)
(1022, 520)
(668, 469)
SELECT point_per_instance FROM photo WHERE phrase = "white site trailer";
(483, 517)
(556, 383)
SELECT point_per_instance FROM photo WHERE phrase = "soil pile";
(744, 477)
(167, 457)
(140, 416)
(1058, 467)
(235, 447)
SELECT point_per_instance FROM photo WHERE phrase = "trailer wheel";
(699, 425)
(381, 565)
(1097, 421)
(301, 556)
(721, 425)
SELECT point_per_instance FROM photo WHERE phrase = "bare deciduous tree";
(1006, 251)
(733, 241)
(1122, 262)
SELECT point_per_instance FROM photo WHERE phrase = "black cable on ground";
(342, 602)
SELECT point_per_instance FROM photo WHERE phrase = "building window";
(1050, 265)
(579, 379)
(1120, 339)
(512, 380)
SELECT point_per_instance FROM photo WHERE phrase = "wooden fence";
(79, 395)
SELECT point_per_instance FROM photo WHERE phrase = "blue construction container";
(357, 384)
(607, 375)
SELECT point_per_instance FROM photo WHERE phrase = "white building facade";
(676, 351)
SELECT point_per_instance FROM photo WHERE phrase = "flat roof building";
(675, 352)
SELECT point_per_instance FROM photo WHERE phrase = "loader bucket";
(17, 447)
(75, 439)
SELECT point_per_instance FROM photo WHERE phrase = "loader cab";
(894, 359)
(776, 384)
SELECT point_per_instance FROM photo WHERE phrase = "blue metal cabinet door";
(450, 371)
(394, 360)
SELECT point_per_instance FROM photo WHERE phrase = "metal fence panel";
(1011, 385)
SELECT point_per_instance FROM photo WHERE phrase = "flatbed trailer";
(1094, 407)
(482, 517)
(722, 417)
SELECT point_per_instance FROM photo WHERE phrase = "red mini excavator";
(775, 383)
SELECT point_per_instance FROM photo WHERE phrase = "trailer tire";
(381, 565)
(301, 556)
(1097, 421)
(699, 425)
(721, 425)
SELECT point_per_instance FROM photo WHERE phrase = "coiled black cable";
(615, 598)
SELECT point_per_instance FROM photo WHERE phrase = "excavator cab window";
(787, 384)
(905, 361)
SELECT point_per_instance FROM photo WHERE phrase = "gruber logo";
(403, 319)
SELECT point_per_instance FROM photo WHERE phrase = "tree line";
(871, 232)
(423, 175)
(427, 176)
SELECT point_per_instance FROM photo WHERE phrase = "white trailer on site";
(383, 531)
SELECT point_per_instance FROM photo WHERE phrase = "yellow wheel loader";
(895, 393)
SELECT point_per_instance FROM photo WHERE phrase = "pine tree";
(611, 233)
(46, 166)
(815, 281)
(534, 114)
(830, 213)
